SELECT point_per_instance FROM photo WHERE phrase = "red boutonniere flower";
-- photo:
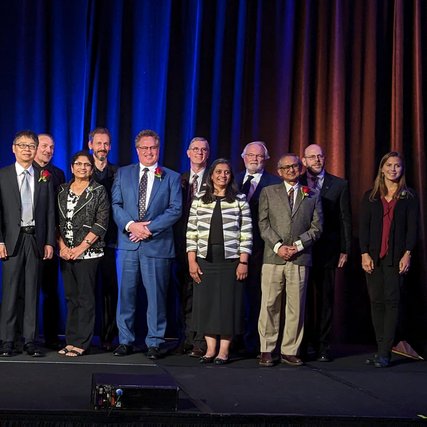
(158, 173)
(44, 175)
(305, 191)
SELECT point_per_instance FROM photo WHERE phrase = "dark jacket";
(403, 231)
(90, 214)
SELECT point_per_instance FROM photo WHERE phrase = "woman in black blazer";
(387, 234)
(83, 220)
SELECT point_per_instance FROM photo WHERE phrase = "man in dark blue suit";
(251, 182)
(27, 236)
(147, 201)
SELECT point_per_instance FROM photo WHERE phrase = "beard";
(101, 155)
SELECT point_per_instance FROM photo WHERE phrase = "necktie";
(142, 194)
(194, 185)
(291, 198)
(247, 185)
(26, 199)
(315, 180)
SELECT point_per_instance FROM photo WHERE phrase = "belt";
(28, 229)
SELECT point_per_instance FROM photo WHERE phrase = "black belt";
(28, 230)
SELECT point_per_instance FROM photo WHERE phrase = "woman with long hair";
(219, 242)
(387, 234)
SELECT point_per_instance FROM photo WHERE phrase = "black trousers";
(20, 280)
(49, 290)
(384, 293)
(320, 307)
(79, 279)
(107, 291)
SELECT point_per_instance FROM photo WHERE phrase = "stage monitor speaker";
(136, 392)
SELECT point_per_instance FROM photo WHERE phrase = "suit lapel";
(298, 200)
(327, 183)
(135, 182)
(36, 187)
(282, 195)
(13, 185)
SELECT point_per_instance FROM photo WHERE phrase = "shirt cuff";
(299, 245)
(277, 247)
(127, 225)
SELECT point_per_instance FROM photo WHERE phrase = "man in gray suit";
(290, 220)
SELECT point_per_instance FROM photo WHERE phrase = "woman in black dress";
(388, 233)
(219, 242)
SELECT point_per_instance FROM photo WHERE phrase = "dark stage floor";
(344, 392)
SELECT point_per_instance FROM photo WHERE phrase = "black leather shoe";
(54, 345)
(372, 360)
(153, 353)
(123, 350)
(6, 349)
(196, 352)
(324, 356)
(221, 361)
(32, 350)
(206, 359)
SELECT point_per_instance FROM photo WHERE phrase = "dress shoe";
(291, 360)
(196, 352)
(106, 346)
(32, 350)
(221, 361)
(6, 349)
(153, 353)
(123, 350)
(53, 345)
(324, 356)
(382, 362)
(266, 359)
(372, 360)
(206, 359)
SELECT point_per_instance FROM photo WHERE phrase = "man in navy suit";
(329, 252)
(27, 236)
(146, 202)
(252, 181)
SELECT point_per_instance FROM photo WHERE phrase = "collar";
(320, 176)
(199, 174)
(289, 186)
(19, 169)
(150, 168)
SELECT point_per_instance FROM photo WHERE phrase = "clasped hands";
(287, 252)
(139, 231)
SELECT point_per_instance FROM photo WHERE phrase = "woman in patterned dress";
(83, 219)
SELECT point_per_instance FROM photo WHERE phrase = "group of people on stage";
(253, 256)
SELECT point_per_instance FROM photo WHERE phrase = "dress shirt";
(20, 177)
(254, 183)
(199, 177)
(320, 180)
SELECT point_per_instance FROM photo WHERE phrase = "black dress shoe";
(324, 356)
(153, 353)
(123, 350)
(372, 360)
(6, 349)
(32, 350)
(196, 352)
(54, 345)
(206, 359)
(221, 361)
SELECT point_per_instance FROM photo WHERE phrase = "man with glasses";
(251, 181)
(192, 182)
(49, 271)
(290, 221)
(329, 252)
(27, 236)
(104, 173)
(147, 202)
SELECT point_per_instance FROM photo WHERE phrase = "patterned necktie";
(26, 199)
(247, 185)
(194, 185)
(142, 193)
(291, 198)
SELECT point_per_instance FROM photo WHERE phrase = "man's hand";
(342, 260)
(287, 252)
(48, 252)
(139, 231)
(3, 251)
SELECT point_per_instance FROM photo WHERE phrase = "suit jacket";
(90, 213)
(336, 236)
(58, 175)
(403, 231)
(10, 210)
(163, 210)
(106, 178)
(278, 224)
(266, 180)
(180, 227)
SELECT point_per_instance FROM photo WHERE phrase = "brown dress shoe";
(266, 359)
(291, 360)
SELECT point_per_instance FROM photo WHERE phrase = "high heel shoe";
(206, 359)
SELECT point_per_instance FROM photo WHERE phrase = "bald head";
(314, 159)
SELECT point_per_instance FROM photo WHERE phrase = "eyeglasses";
(22, 146)
(255, 156)
(197, 150)
(289, 167)
(80, 165)
(145, 149)
(315, 157)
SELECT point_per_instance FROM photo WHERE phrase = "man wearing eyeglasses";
(147, 202)
(49, 271)
(290, 221)
(104, 173)
(251, 181)
(329, 252)
(192, 182)
(27, 236)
